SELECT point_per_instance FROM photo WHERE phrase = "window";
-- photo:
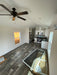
(17, 37)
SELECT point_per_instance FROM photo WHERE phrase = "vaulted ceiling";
(41, 12)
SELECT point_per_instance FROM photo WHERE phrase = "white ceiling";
(41, 12)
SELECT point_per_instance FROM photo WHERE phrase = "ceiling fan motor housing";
(14, 13)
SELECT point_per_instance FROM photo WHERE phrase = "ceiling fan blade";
(21, 18)
(22, 13)
(5, 7)
(5, 14)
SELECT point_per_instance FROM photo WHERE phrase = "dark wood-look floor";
(14, 65)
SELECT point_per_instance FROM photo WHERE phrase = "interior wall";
(7, 42)
(47, 32)
(53, 55)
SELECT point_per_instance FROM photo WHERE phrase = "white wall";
(47, 32)
(53, 55)
(7, 42)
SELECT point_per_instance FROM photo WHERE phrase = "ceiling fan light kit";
(14, 13)
(13, 18)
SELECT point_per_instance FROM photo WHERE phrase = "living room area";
(28, 37)
(17, 45)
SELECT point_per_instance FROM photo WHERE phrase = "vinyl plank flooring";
(14, 65)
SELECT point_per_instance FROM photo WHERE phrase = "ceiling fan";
(14, 13)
